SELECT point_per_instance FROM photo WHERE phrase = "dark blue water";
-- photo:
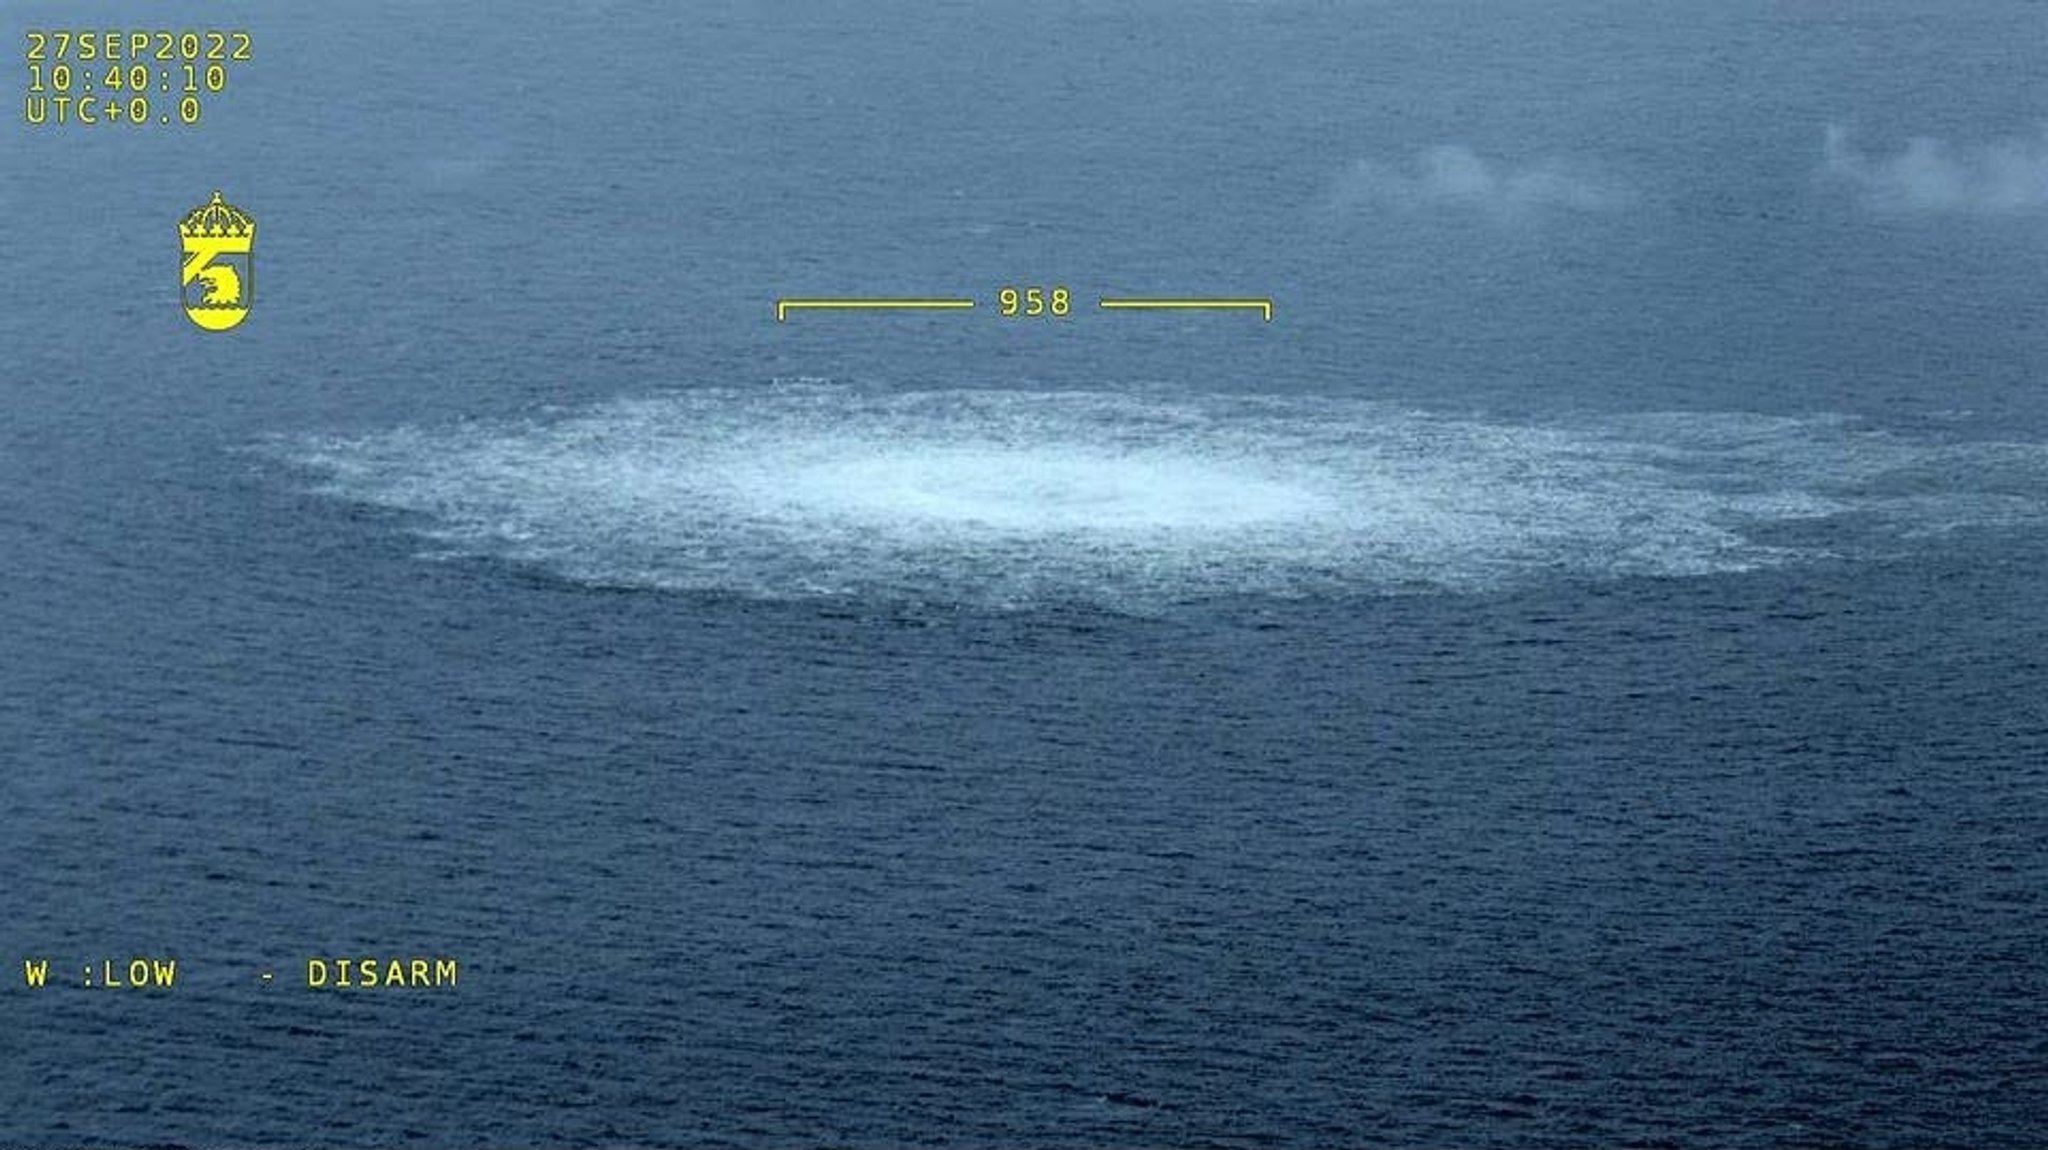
(1574, 677)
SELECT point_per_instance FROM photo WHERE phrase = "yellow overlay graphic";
(220, 273)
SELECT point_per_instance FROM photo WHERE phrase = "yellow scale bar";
(784, 306)
(1263, 306)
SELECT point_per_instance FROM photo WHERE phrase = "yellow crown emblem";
(220, 272)
(217, 217)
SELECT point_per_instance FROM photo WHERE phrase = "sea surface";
(1577, 675)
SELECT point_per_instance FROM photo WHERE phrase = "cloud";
(1454, 177)
(2009, 175)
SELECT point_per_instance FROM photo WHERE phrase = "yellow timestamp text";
(134, 76)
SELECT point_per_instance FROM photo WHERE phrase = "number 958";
(1033, 302)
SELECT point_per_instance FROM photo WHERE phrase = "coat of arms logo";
(220, 271)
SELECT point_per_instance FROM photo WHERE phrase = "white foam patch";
(1452, 176)
(1013, 491)
(1136, 501)
(2009, 175)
